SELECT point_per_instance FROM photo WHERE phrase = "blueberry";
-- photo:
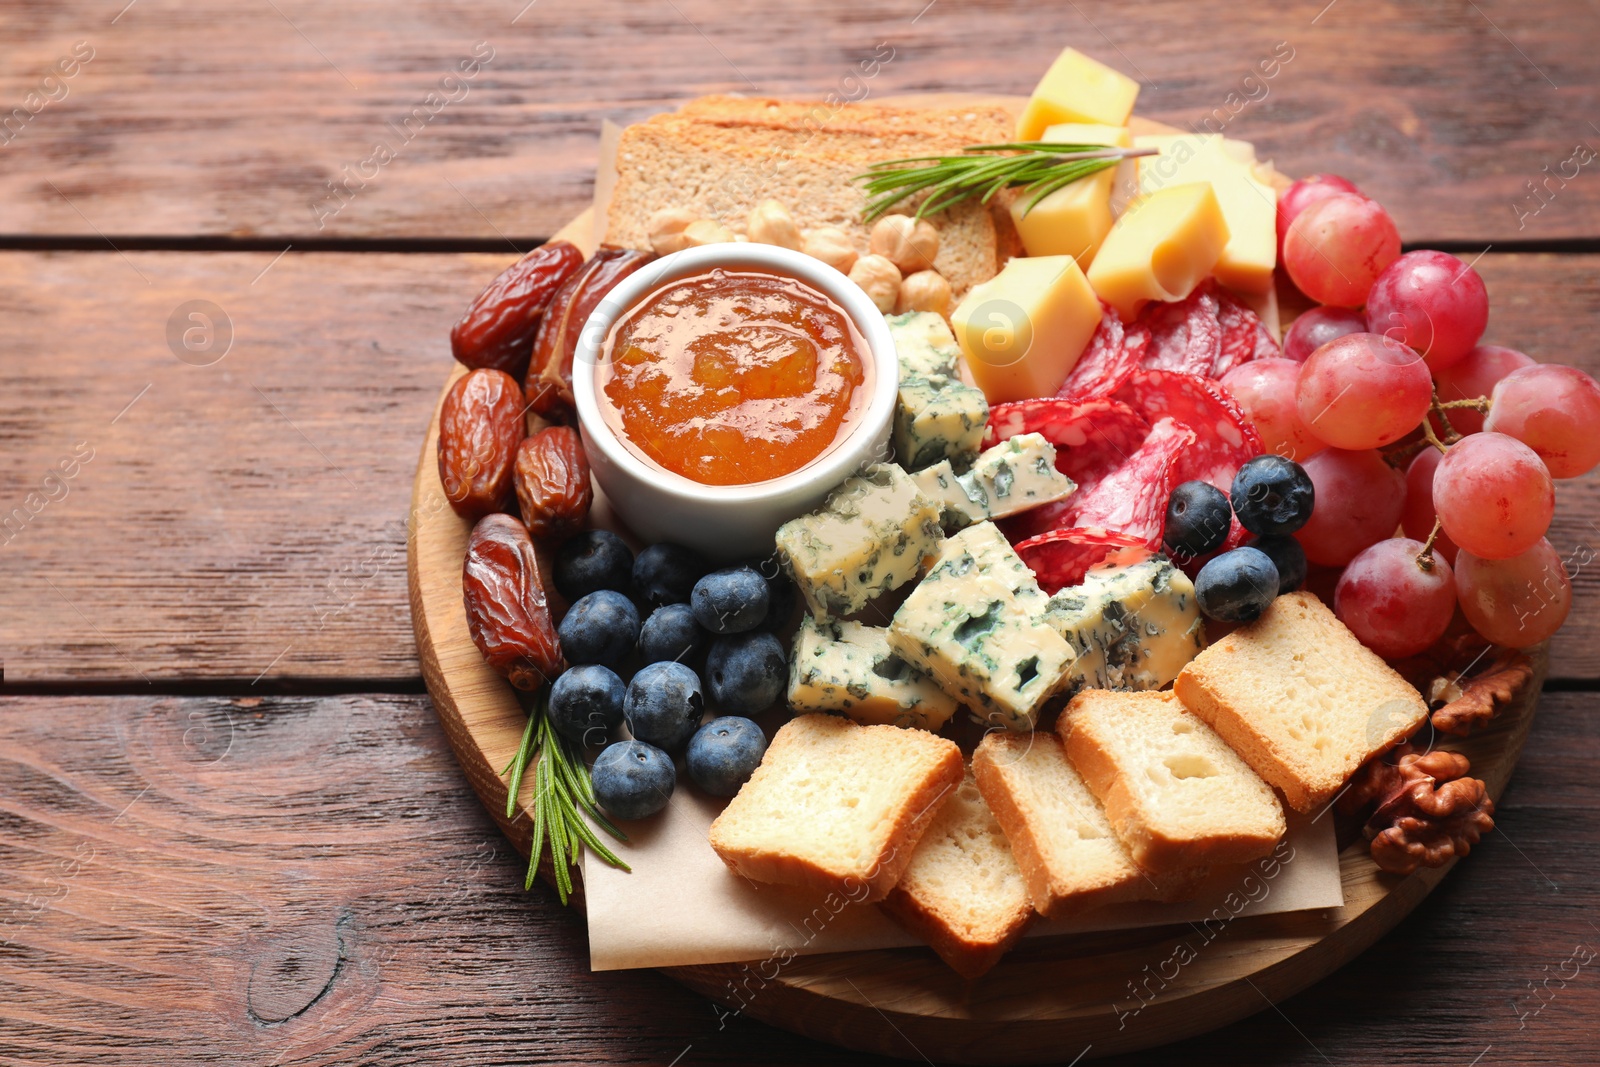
(670, 633)
(633, 780)
(1287, 555)
(600, 628)
(665, 573)
(1198, 517)
(590, 560)
(586, 703)
(1237, 586)
(730, 601)
(663, 705)
(1272, 495)
(724, 753)
(746, 673)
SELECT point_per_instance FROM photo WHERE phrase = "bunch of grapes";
(1404, 421)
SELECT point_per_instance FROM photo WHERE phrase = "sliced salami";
(1244, 336)
(1129, 499)
(1061, 558)
(1185, 335)
(1105, 364)
(1225, 436)
(1091, 436)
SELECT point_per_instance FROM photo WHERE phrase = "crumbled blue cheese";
(849, 668)
(874, 534)
(937, 416)
(1133, 626)
(973, 624)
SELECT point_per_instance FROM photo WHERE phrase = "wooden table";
(230, 828)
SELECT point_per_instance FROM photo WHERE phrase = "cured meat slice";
(1092, 437)
(1244, 336)
(1106, 361)
(1129, 499)
(1061, 558)
(1185, 335)
(1226, 437)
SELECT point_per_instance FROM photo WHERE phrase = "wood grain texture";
(259, 505)
(298, 881)
(232, 120)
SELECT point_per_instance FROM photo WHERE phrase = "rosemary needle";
(1038, 167)
(562, 796)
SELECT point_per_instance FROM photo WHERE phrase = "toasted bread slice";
(1174, 792)
(963, 892)
(722, 156)
(1070, 857)
(1301, 699)
(836, 806)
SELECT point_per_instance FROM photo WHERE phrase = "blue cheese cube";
(1133, 626)
(974, 624)
(937, 416)
(873, 535)
(1015, 475)
(849, 668)
(942, 485)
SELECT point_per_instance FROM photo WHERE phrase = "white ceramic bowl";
(729, 521)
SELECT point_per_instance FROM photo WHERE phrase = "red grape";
(1396, 606)
(1473, 376)
(1302, 194)
(1432, 302)
(1359, 499)
(1337, 247)
(1493, 495)
(1317, 327)
(1265, 388)
(1518, 601)
(1555, 411)
(1362, 391)
(1417, 517)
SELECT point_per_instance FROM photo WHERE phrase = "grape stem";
(1425, 557)
(1429, 437)
(1450, 435)
(1477, 403)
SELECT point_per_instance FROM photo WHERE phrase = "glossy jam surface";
(730, 378)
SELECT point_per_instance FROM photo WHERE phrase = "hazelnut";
(706, 232)
(832, 246)
(910, 244)
(879, 279)
(771, 224)
(666, 230)
(926, 290)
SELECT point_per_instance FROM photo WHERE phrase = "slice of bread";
(1070, 857)
(1301, 699)
(721, 156)
(836, 806)
(1174, 792)
(963, 892)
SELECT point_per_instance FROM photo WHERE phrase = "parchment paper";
(682, 905)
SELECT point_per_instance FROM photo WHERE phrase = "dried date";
(508, 613)
(549, 381)
(498, 329)
(480, 425)
(552, 482)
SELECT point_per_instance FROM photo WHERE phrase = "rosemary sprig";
(562, 796)
(1040, 167)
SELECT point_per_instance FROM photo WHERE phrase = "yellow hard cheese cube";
(1073, 220)
(1023, 330)
(1249, 204)
(1160, 249)
(1077, 89)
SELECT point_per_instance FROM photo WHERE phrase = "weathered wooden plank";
(310, 881)
(248, 517)
(170, 127)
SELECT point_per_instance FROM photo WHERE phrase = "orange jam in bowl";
(733, 377)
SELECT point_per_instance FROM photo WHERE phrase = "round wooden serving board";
(1050, 999)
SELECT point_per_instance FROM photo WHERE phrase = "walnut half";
(1425, 811)
(1474, 701)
